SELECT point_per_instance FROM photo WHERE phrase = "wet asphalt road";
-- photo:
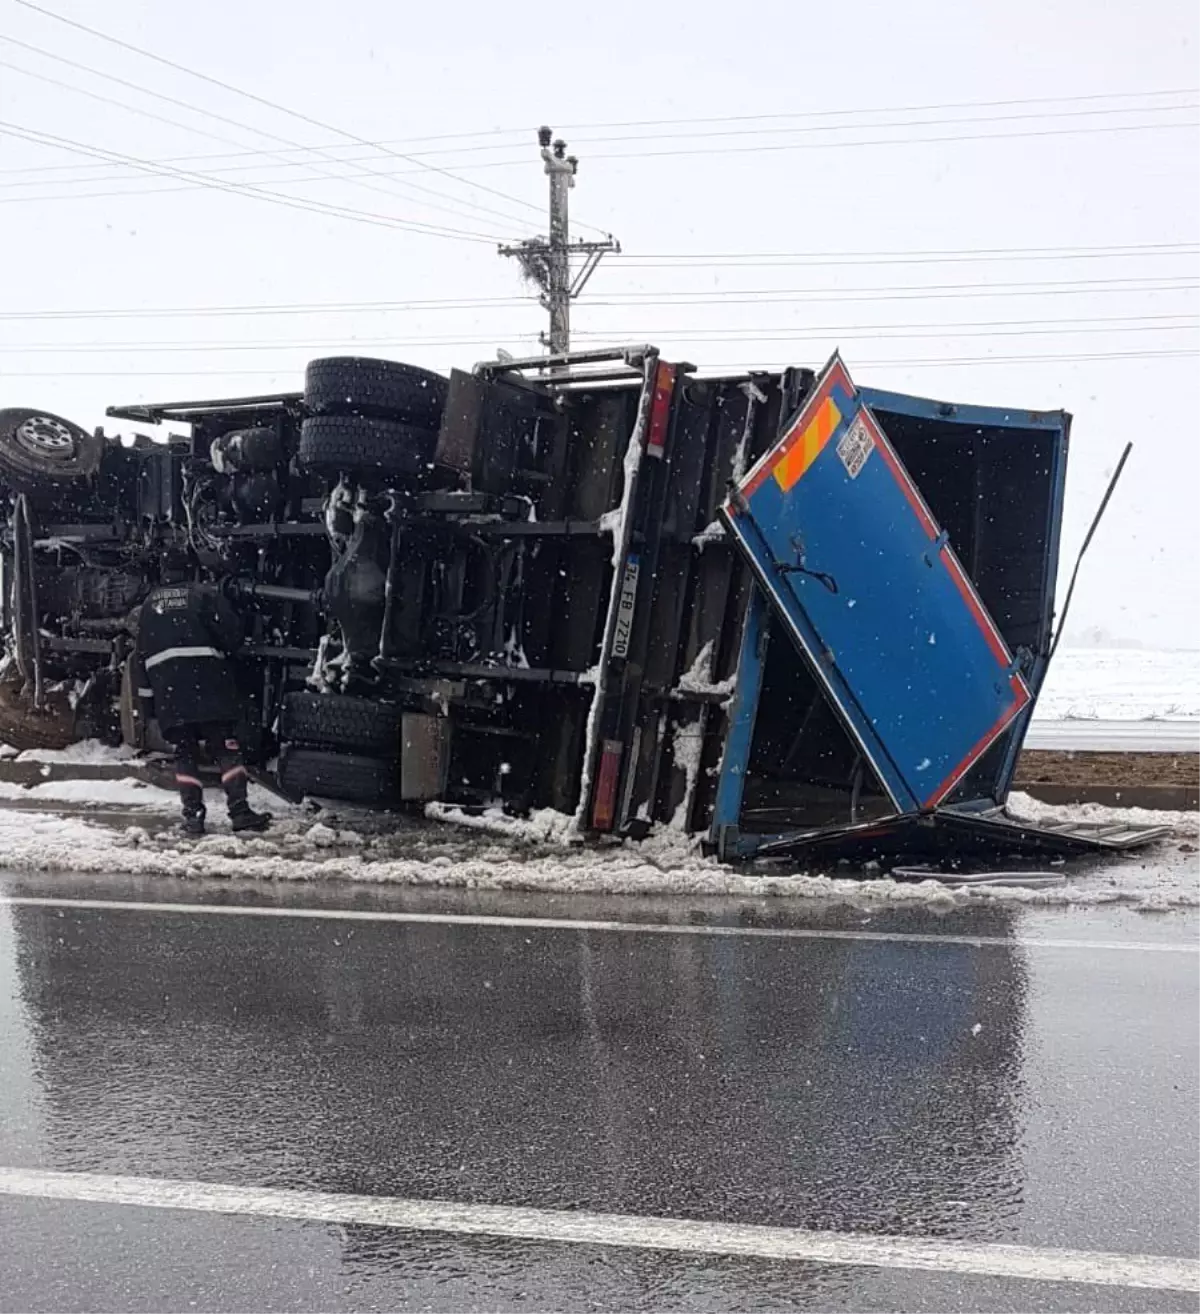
(1008, 1092)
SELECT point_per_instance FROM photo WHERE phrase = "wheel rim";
(45, 436)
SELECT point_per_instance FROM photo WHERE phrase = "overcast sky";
(883, 161)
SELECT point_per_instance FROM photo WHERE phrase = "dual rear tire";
(336, 746)
(376, 420)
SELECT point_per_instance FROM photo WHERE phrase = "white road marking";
(681, 1235)
(572, 924)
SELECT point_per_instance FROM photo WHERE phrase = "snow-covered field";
(1121, 684)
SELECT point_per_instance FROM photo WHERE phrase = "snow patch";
(88, 752)
(541, 826)
(754, 395)
(129, 792)
(697, 675)
(687, 745)
(697, 679)
(515, 652)
(1186, 825)
(610, 523)
(713, 532)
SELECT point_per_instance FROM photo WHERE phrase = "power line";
(110, 100)
(856, 128)
(631, 155)
(885, 141)
(848, 145)
(376, 155)
(522, 132)
(894, 109)
(826, 145)
(937, 363)
(778, 296)
(304, 308)
(378, 150)
(860, 333)
(683, 260)
(458, 211)
(316, 344)
(262, 100)
(718, 335)
(902, 292)
(915, 362)
(249, 153)
(355, 179)
(856, 261)
(243, 189)
(1146, 282)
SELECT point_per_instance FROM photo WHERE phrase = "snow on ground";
(118, 793)
(1186, 825)
(129, 792)
(496, 852)
(1126, 684)
(88, 752)
(530, 856)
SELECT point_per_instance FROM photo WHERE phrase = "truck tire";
(40, 452)
(337, 721)
(358, 385)
(361, 445)
(356, 779)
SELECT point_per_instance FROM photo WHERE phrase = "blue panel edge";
(735, 759)
(925, 408)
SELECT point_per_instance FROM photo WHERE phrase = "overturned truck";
(782, 610)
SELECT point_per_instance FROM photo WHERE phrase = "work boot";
(245, 818)
(241, 815)
(192, 797)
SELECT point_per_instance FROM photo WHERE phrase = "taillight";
(604, 803)
(660, 409)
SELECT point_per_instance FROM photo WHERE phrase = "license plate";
(625, 605)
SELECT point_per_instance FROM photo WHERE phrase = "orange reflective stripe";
(808, 446)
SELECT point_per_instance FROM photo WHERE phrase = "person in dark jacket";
(186, 634)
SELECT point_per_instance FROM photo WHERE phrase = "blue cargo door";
(867, 585)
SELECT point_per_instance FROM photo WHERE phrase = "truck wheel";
(361, 445)
(40, 452)
(337, 721)
(307, 771)
(357, 385)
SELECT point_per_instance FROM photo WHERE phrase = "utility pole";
(547, 261)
